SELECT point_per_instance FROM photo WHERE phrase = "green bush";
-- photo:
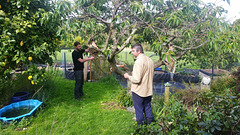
(221, 84)
(209, 114)
(152, 129)
(190, 95)
(20, 82)
(172, 118)
(47, 87)
(23, 123)
(183, 72)
(17, 83)
(221, 115)
(124, 99)
(43, 91)
(108, 79)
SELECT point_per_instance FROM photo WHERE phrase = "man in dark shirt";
(78, 61)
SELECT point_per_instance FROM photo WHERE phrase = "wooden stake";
(90, 70)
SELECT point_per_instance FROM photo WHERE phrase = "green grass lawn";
(121, 56)
(68, 53)
(97, 113)
(127, 57)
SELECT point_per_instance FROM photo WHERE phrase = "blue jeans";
(142, 107)
(79, 80)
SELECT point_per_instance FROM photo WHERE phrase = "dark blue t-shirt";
(75, 56)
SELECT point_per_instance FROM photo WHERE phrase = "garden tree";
(194, 29)
(223, 51)
(236, 22)
(185, 25)
(29, 35)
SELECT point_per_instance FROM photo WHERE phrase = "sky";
(233, 8)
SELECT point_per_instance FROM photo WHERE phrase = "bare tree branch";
(186, 49)
(127, 40)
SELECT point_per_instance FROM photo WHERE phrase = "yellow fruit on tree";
(29, 77)
(30, 58)
(7, 36)
(21, 43)
(3, 63)
(0, 6)
(32, 82)
(8, 1)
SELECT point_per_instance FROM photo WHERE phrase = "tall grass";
(17, 83)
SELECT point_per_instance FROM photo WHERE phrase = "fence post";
(90, 70)
(65, 65)
(212, 70)
(166, 92)
(125, 56)
(85, 69)
(129, 83)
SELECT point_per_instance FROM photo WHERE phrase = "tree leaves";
(30, 31)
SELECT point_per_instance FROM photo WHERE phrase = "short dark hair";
(76, 43)
(138, 47)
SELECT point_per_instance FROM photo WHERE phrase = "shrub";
(152, 129)
(190, 95)
(172, 118)
(18, 82)
(237, 76)
(47, 88)
(221, 115)
(23, 123)
(124, 99)
(215, 114)
(43, 91)
(109, 80)
(183, 72)
(223, 83)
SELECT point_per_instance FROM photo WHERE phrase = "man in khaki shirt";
(142, 81)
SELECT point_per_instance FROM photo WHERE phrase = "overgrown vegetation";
(19, 82)
(9, 86)
(189, 111)
(224, 84)
(194, 111)
(97, 113)
(124, 99)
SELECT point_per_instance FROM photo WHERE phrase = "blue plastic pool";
(23, 108)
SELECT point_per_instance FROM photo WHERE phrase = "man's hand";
(91, 58)
(126, 75)
(87, 50)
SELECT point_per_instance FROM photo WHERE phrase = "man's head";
(77, 45)
(137, 49)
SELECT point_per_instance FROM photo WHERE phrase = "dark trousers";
(79, 80)
(143, 108)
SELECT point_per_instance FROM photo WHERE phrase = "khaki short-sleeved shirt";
(142, 76)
